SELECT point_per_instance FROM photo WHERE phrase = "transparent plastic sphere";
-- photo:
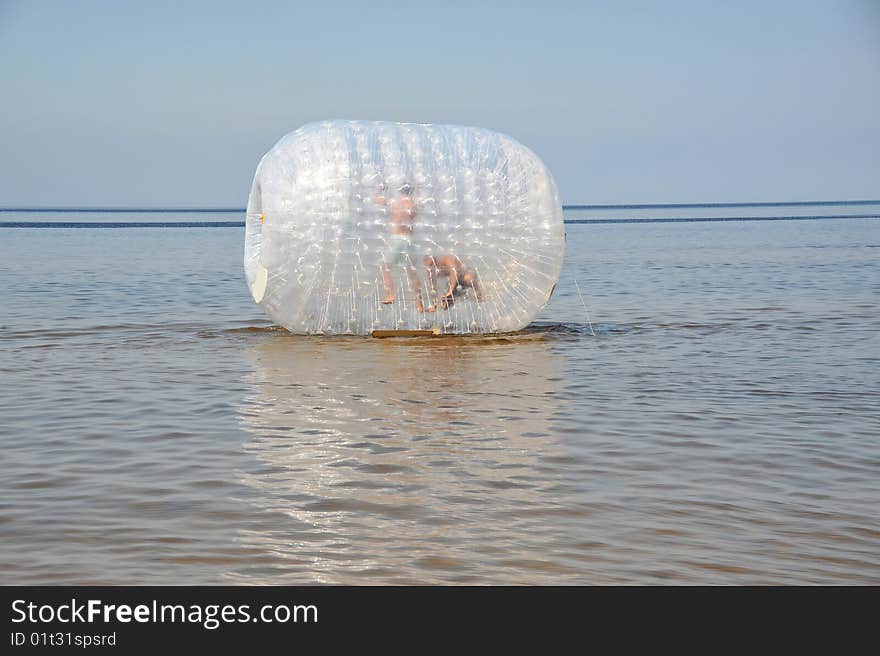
(357, 226)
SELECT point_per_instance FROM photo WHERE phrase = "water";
(722, 425)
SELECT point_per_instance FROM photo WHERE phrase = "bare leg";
(453, 281)
(388, 282)
(431, 271)
(417, 286)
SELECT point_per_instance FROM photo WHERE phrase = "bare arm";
(453, 282)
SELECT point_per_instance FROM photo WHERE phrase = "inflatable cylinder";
(355, 227)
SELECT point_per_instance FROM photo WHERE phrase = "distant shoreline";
(630, 206)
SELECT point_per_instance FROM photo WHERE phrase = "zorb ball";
(356, 226)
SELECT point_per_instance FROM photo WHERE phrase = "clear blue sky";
(173, 103)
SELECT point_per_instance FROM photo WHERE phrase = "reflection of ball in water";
(354, 226)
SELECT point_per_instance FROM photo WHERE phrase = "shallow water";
(718, 422)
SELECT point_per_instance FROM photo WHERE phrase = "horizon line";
(242, 224)
(622, 206)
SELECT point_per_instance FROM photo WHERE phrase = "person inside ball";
(402, 214)
(459, 276)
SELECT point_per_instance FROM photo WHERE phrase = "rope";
(589, 323)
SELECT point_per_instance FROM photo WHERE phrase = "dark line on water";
(121, 224)
(241, 224)
(660, 206)
(128, 210)
(712, 219)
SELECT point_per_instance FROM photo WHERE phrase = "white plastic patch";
(258, 288)
(356, 226)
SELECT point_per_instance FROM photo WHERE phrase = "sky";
(173, 103)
